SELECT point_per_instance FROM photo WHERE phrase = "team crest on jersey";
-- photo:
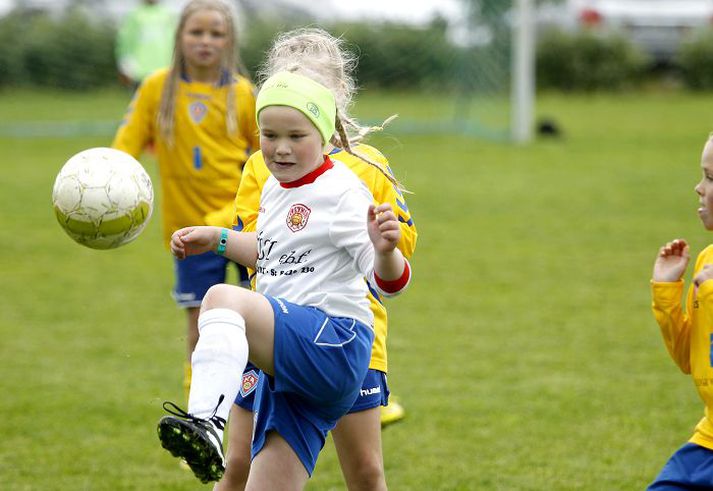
(197, 110)
(297, 217)
(249, 383)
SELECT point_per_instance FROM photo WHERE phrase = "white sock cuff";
(223, 316)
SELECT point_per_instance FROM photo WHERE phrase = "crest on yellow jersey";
(197, 110)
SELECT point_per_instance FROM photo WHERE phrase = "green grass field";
(524, 352)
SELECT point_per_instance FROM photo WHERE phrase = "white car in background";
(658, 27)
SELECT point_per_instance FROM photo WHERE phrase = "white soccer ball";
(103, 198)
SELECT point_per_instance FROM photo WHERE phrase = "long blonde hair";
(230, 66)
(316, 54)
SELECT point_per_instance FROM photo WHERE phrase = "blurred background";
(403, 46)
(524, 352)
(464, 49)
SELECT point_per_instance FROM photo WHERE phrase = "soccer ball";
(103, 198)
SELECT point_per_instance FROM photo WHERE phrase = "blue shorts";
(690, 467)
(195, 274)
(374, 390)
(320, 363)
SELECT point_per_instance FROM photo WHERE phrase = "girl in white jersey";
(316, 54)
(308, 326)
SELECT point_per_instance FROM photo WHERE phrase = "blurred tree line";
(71, 52)
(77, 53)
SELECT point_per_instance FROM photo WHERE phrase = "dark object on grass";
(548, 128)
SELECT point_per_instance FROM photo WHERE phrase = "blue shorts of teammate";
(320, 363)
(690, 467)
(374, 390)
(195, 274)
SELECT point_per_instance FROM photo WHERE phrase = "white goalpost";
(523, 72)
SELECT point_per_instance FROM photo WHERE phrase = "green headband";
(304, 94)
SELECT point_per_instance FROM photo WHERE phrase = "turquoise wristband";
(222, 242)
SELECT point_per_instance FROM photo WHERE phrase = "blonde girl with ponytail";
(198, 115)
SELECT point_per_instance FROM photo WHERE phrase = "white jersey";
(313, 245)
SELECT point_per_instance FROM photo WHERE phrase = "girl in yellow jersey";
(199, 115)
(357, 436)
(689, 338)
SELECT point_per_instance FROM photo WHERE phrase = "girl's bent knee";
(218, 296)
(226, 296)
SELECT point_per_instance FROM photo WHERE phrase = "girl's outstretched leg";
(217, 365)
(231, 318)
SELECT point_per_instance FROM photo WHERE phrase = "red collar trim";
(311, 177)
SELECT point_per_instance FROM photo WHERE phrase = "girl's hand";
(383, 227)
(671, 262)
(190, 241)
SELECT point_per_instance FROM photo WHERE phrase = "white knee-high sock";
(217, 363)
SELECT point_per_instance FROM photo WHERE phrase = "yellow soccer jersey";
(247, 203)
(201, 170)
(689, 337)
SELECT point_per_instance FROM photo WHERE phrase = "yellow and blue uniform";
(201, 169)
(247, 203)
(689, 339)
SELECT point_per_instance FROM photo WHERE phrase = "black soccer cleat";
(194, 440)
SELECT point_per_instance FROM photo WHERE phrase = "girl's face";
(290, 143)
(704, 189)
(203, 38)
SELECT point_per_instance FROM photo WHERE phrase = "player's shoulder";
(256, 157)
(341, 171)
(256, 165)
(704, 257)
(373, 173)
(343, 180)
(365, 161)
(372, 153)
(353, 161)
(156, 78)
(706, 253)
(152, 85)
